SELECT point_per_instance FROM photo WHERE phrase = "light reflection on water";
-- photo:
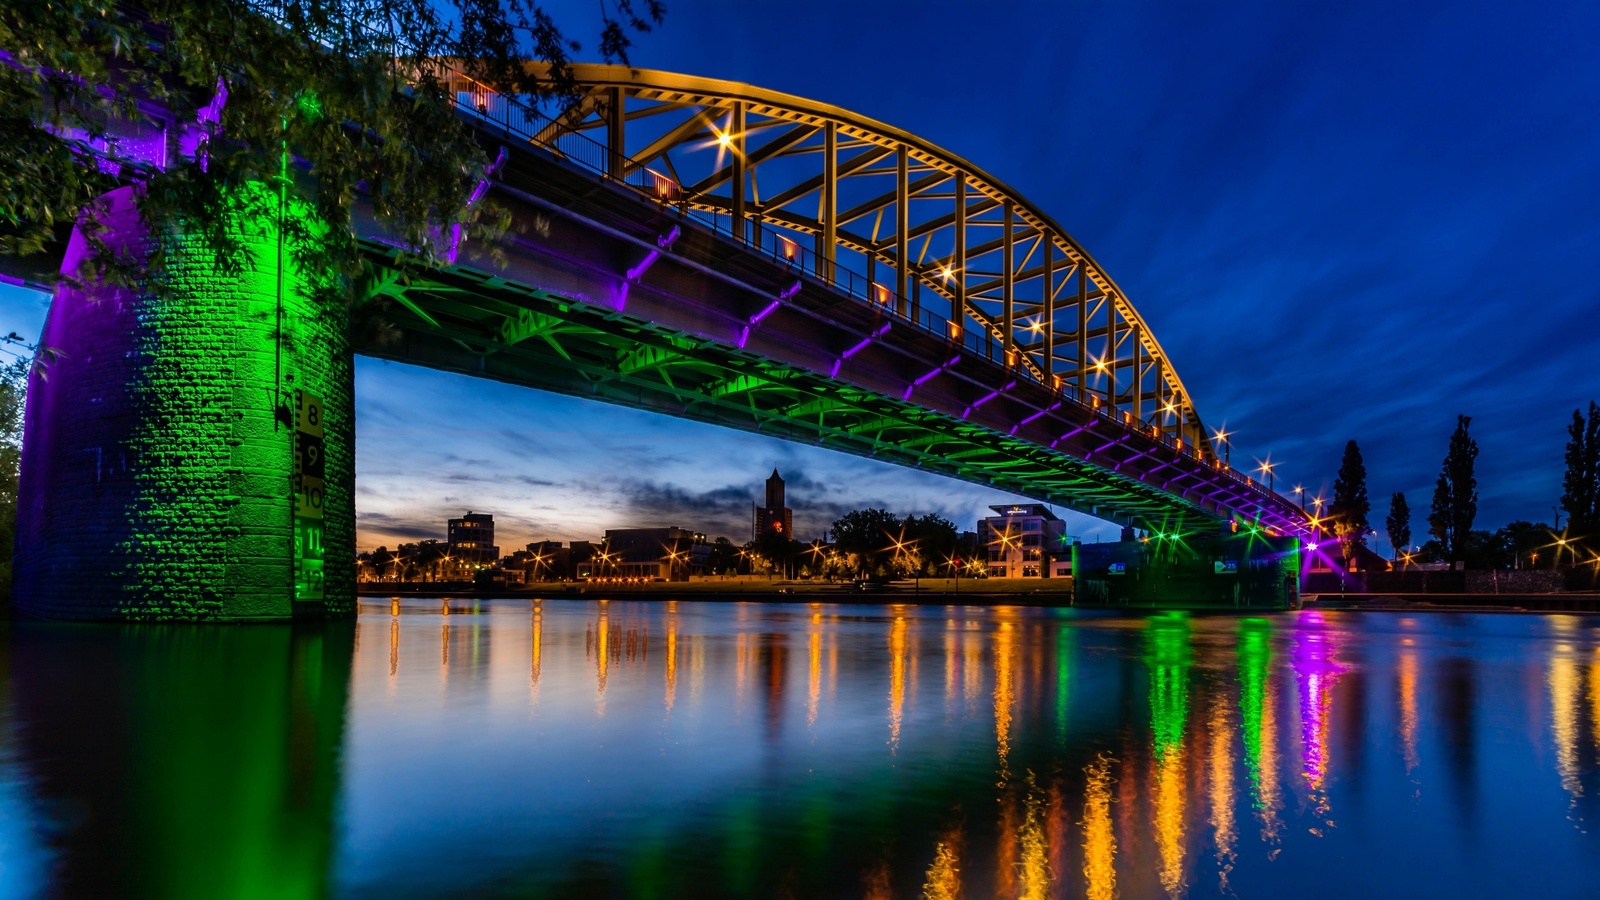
(678, 749)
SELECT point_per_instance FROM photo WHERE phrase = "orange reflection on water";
(943, 881)
(971, 668)
(603, 657)
(1004, 690)
(814, 672)
(1563, 680)
(394, 647)
(952, 666)
(877, 883)
(1055, 830)
(444, 649)
(1099, 839)
(697, 667)
(1594, 697)
(536, 653)
(1408, 706)
(1222, 790)
(1035, 863)
(1005, 855)
(672, 655)
(1169, 816)
(741, 661)
(897, 679)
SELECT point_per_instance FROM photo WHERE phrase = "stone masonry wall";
(157, 476)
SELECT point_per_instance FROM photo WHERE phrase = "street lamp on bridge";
(1227, 446)
(1266, 469)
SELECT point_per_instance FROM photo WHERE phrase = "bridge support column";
(159, 467)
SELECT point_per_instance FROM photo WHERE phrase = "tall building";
(1024, 540)
(471, 539)
(774, 517)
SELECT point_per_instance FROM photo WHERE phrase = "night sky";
(1342, 220)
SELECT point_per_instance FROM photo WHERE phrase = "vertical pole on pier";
(1083, 331)
(830, 201)
(902, 197)
(1138, 373)
(1008, 285)
(1162, 394)
(615, 123)
(1110, 359)
(736, 129)
(1047, 307)
(958, 301)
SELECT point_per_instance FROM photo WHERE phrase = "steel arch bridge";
(1006, 355)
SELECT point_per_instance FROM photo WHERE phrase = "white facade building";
(1025, 540)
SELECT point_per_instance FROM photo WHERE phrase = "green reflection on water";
(1064, 651)
(1255, 657)
(186, 760)
(1167, 655)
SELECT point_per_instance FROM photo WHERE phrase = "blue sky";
(1342, 220)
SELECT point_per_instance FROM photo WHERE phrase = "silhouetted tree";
(1455, 496)
(779, 549)
(1398, 523)
(1580, 486)
(868, 534)
(1350, 503)
(934, 537)
(1518, 541)
(724, 557)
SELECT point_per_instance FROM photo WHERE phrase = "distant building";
(583, 559)
(471, 540)
(667, 554)
(774, 518)
(546, 561)
(1024, 541)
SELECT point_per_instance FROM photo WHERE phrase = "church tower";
(774, 517)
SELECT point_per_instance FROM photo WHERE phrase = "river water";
(677, 749)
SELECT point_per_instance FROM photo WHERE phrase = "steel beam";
(902, 218)
(1049, 313)
(827, 239)
(616, 146)
(958, 302)
(736, 129)
(1009, 288)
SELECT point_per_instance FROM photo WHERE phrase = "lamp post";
(1300, 489)
(1266, 469)
(1227, 446)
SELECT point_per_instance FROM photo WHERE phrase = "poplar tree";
(1398, 524)
(1580, 486)
(1455, 495)
(1350, 502)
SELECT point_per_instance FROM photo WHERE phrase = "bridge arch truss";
(890, 217)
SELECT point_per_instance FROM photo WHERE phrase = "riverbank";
(943, 592)
(930, 591)
(1464, 602)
